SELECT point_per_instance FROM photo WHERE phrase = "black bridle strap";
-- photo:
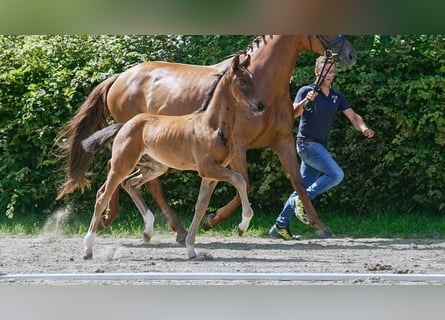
(330, 57)
(310, 41)
(310, 104)
(323, 74)
(327, 46)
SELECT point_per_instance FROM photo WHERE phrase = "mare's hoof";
(206, 224)
(146, 237)
(101, 225)
(180, 238)
(324, 234)
(88, 256)
(240, 232)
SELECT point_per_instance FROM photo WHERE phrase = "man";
(319, 170)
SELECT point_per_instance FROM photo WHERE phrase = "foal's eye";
(242, 82)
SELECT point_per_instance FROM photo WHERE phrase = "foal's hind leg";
(102, 198)
(133, 183)
(205, 192)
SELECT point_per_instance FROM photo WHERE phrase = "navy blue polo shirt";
(316, 125)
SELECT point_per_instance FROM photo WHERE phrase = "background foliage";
(397, 86)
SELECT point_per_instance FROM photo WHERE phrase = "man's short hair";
(321, 61)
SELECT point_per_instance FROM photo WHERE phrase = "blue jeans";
(320, 172)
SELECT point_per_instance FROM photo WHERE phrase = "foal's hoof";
(240, 232)
(180, 238)
(323, 234)
(206, 222)
(191, 252)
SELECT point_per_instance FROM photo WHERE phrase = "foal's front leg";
(240, 184)
(220, 173)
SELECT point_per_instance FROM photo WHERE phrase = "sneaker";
(282, 233)
(299, 211)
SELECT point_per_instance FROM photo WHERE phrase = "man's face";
(328, 75)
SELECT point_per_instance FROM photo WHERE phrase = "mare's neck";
(273, 59)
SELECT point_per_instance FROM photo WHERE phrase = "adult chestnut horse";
(175, 89)
(202, 141)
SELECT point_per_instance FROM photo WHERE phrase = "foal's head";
(243, 85)
(238, 82)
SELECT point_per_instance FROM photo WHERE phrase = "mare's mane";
(256, 42)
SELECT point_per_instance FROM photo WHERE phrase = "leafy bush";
(398, 88)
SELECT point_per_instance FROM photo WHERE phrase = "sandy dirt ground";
(55, 253)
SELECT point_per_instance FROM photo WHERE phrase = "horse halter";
(329, 45)
(331, 56)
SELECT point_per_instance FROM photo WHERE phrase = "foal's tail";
(99, 139)
(91, 116)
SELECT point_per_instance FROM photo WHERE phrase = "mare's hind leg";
(146, 171)
(205, 192)
(112, 211)
(155, 188)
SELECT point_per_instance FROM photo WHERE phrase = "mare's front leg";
(285, 149)
(205, 193)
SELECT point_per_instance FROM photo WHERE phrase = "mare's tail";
(90, 117)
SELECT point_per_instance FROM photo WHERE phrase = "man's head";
(326, 69)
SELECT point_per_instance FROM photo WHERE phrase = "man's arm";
(358, 123)
(298, 107)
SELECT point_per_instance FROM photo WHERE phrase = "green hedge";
(397, 86)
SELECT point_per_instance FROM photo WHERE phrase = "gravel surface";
(54, 253)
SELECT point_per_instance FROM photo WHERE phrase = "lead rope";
(310, 104)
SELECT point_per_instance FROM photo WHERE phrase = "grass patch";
(379, 223)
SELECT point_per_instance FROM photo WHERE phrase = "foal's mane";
(211, 91)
